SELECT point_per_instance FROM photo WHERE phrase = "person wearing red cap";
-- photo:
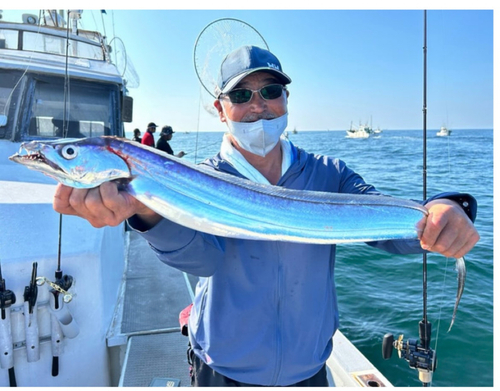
(148, 138)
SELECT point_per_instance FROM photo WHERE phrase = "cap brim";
(235, 80)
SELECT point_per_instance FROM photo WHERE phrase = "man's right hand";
(102, 206)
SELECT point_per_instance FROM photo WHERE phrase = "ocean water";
(381, 293)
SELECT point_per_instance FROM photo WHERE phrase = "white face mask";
(258, 137)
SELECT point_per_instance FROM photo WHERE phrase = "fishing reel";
(64, 281)
(61, 285)
(416, 351)
(7, 297)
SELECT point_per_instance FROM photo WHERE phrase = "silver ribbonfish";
(222, 204)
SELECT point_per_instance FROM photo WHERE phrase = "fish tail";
(461, 273)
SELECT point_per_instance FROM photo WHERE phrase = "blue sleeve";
(351, 182)
(185, 249)
(466, 201)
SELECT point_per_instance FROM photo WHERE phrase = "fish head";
(80, 163)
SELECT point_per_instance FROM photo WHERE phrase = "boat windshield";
(90, 109)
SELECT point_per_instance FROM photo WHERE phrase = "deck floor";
(156, 357)
(154, 295)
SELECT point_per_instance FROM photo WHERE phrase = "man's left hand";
(448, 230)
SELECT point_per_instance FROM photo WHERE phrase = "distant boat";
(294, 131)
(377, 131)
(363, 131)
(443, 132)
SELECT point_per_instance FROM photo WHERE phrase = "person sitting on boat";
(148, 138)
(162, 143)
(264, 312)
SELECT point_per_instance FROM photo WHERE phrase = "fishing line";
(197, 128)
(441, 306)
(201, 148)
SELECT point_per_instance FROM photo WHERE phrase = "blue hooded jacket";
(264, 311)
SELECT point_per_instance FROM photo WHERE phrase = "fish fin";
(461, 273)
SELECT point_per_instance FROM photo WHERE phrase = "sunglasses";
(244, 95)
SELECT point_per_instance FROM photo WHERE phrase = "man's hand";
(101, 206)
(448, 230)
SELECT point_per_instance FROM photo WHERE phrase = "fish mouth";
(33, 158)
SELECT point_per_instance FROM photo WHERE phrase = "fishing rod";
(418, 352)
(62, 282)
(7, 299)
(31, 317)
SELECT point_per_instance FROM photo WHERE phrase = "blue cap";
(245, 60)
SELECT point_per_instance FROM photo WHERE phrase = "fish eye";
(69, 152)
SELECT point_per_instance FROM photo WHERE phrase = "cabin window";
(90, 110)
(32, 107)
(7, 83)
(45, 43)
(10, 87)
(8, 39)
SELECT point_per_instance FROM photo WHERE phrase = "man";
(264, 313)
(162, 143)
(148, 138)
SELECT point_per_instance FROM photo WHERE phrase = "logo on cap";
(270, 65)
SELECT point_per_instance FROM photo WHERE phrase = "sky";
(347, 66)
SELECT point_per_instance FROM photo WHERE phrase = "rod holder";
(31, 332)
(6, 345)
(69, 327)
